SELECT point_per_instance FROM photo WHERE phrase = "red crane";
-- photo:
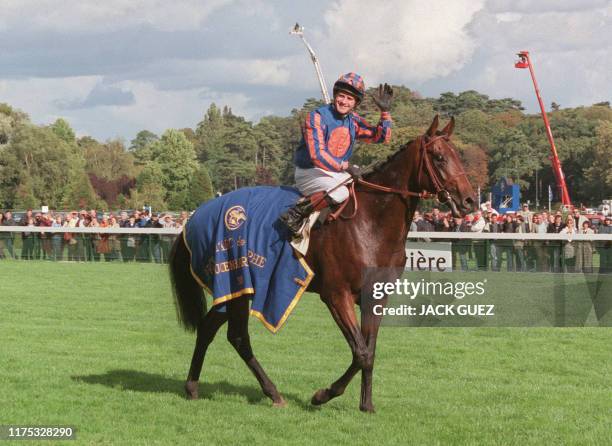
(525, 62)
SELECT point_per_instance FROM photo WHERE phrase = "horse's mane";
(379, 166)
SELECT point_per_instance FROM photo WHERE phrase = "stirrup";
(294, 218)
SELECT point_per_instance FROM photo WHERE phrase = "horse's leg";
(343, 312)
(207, 329)
(370, 324)
(238, 336)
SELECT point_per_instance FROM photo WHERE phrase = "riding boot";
(295, 216)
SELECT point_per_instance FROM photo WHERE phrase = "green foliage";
(141, 146)
(63, 130)
(109, 160)
(84, 345)
(201, 189)
(24, 195)
(81, 195)
(599, 174)
(38, 155)
(451, 104)
(149, 188)
(513, 157)
(495, 138)
(176, 158)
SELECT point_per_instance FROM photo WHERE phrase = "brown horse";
(339, 253)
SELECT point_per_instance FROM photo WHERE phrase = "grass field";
(97, 346)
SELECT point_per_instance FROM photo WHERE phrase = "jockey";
(328, 137)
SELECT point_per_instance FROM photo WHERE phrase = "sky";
(115, 67)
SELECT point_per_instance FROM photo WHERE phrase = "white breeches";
(314, 180)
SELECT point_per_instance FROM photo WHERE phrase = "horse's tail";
(188, 295)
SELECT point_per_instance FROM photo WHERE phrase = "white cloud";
(157, 64)
(106, 15)
(37, 96)
(404, 41)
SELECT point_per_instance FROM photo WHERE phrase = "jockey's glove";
(354, 171)
(383, 97)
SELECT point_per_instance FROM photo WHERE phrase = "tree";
(81, 194)
(513, 157)
(599, 174)
(141, 146)
(269, 156)
(475, 161)
(149, 188)
(10, 119)
(176, 158)
(24, 195)
(63, 130)
(109, 160)
(50, 162)
(209, 133)
(201, 189)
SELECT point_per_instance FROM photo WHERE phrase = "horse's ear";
(448, 130)
(431, 131)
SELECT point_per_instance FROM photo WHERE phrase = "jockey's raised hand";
(383, 97)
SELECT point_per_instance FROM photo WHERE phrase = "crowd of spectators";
(517, 255)
(86, 246)
(522, 255)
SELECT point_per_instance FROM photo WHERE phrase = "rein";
(425, 163)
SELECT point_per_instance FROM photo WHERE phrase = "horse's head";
(441, 171)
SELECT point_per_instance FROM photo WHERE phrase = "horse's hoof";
(367, 408)
(191, 390)
(280, 403)
(321, 396)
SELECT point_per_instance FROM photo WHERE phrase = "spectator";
(167, 240)
(102, 242)
(413, 224)
(113, 240)
(486, 207)
(527, 216)
(605, 247)
(154, 239)
(492, 226)
(71, 238)
(8, 237)
(45, 238)
(508, 227)
(539, 226)
(131, 240)
(27, 238)
(2, 236)
(82, 239)
(464, 245)
(569, 249)
(124, 223)
(521, 227)
(584, 250)
(94, 238)
(479, 246)
(57, 239)
(579, 219)
(555, 247)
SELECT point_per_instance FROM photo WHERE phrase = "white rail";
(411, 236)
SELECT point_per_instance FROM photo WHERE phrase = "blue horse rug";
(238, 247)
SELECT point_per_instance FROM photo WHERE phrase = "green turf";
(97, 346)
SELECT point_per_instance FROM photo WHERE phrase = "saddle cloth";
(238, 247)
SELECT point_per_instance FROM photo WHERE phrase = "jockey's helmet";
(351, 83)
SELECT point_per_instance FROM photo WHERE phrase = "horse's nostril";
(468, 202)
